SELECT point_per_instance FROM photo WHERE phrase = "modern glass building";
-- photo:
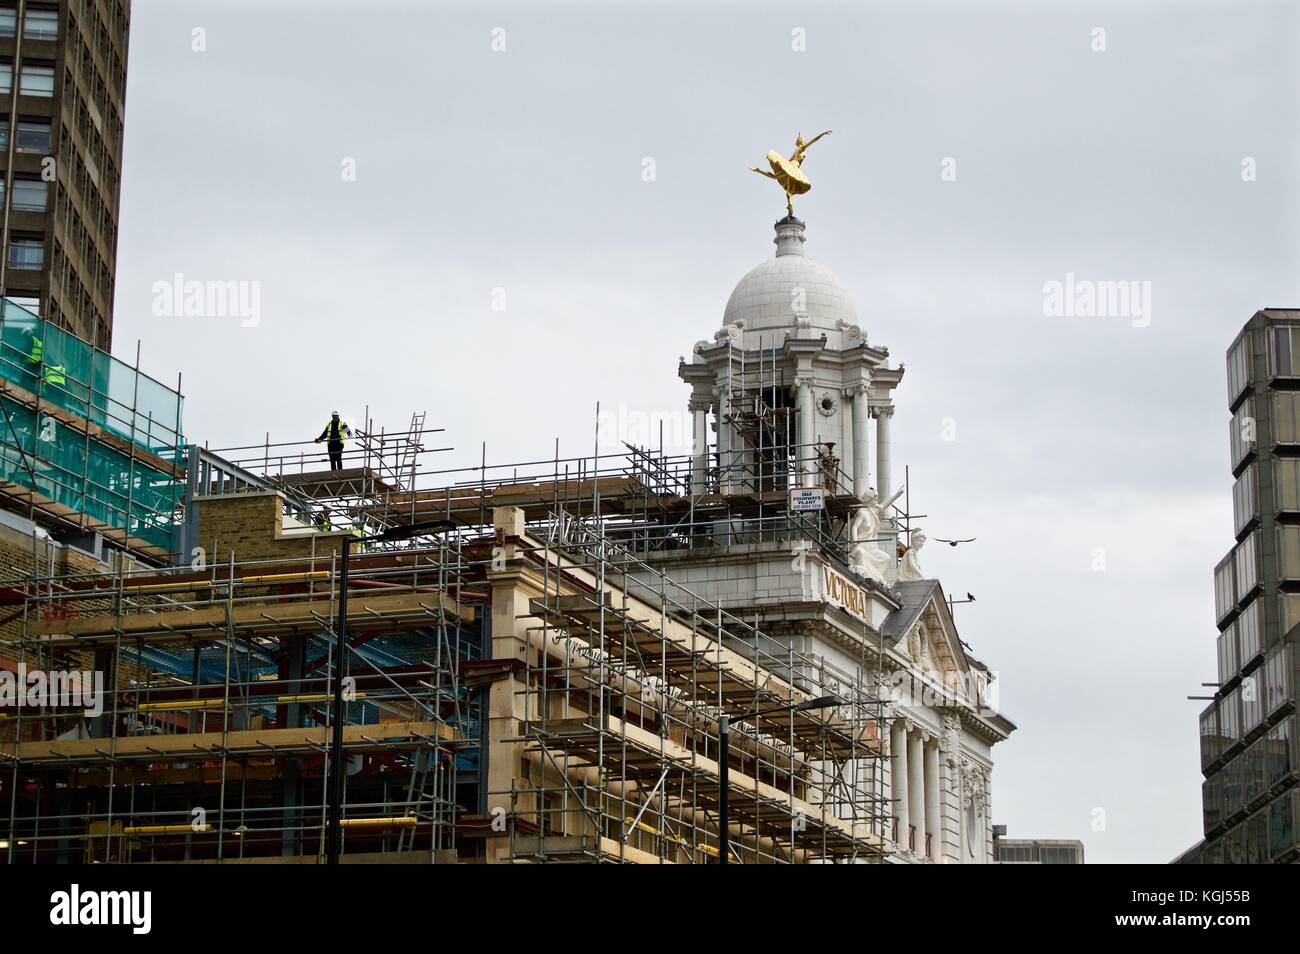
(1249, 756)
(86, 440)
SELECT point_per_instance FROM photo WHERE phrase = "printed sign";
(807, 498)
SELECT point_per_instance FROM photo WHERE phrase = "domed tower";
(791, 384)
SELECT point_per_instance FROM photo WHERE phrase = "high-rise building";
(1251, 803)
(62, 99)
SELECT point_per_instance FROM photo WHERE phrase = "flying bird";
(953, 543)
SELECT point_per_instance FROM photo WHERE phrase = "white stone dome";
(766, 297)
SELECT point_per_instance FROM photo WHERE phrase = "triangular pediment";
(923, 630)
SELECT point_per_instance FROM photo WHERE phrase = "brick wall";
(251, 526)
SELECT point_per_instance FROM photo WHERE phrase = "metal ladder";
(413, 447)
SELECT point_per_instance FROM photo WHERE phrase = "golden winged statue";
(788, 173)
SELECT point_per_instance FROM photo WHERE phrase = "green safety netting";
(90, 383)
(72, 469)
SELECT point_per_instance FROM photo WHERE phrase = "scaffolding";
(628, 676)
(214, 724)
(87, 442)
(530, 684)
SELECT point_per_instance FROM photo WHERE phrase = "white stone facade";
(834, 387)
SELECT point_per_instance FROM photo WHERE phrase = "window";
(1242, 432)
(27, 253)
(31, 195)
(8, 21)
(1289, 606)
(1211, 746)
(1281, 354)
(1257, 838)
(1277, 679)
(1286, 483)
(1282, 815)
(1288, 551)
(1225, 586)
(1252, 702)
(1239, 367)
(1212, 801)
(1234, 786)
(1243, 495)
(1230, 717)
(1286, 417)
(1227, 653)
(36, 81)
(33, 136)
(6, 77)
(1246, 556)
(41, 24)
(4, 134)
(1248, 633)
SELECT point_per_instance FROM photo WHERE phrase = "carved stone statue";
(866, 558)
(788, 173)
(918, 647)
(910, 568)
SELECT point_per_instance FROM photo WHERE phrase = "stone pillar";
(506, 703)
(807, 431)
(861, 454)
(898, 778)
(933, 827)
(883, 482)
(916, 787)
(721, 408)
(699, 408)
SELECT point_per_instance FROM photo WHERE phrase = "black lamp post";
(724, 768)
(334, 833)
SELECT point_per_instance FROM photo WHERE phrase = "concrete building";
(1035, 851)
(1251, 803)
(62, 102)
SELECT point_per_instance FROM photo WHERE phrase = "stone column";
(861, 454)
(699, 408)
(933, 828)
(506, 703)
(721, 409)
(916, 787)
(883, 482)
(807, 428)
(898, 778)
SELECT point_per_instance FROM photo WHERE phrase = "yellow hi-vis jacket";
(334, 432)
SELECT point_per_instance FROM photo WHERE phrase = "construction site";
(525, 683)
(253, 654)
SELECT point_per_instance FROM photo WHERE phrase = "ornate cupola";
(790, 379)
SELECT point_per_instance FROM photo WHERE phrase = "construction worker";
(34, 356)
(335, 432)
(35, 359)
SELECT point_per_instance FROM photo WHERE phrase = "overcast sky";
(516, 176)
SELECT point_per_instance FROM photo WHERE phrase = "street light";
(724, 770)
(401, 532)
